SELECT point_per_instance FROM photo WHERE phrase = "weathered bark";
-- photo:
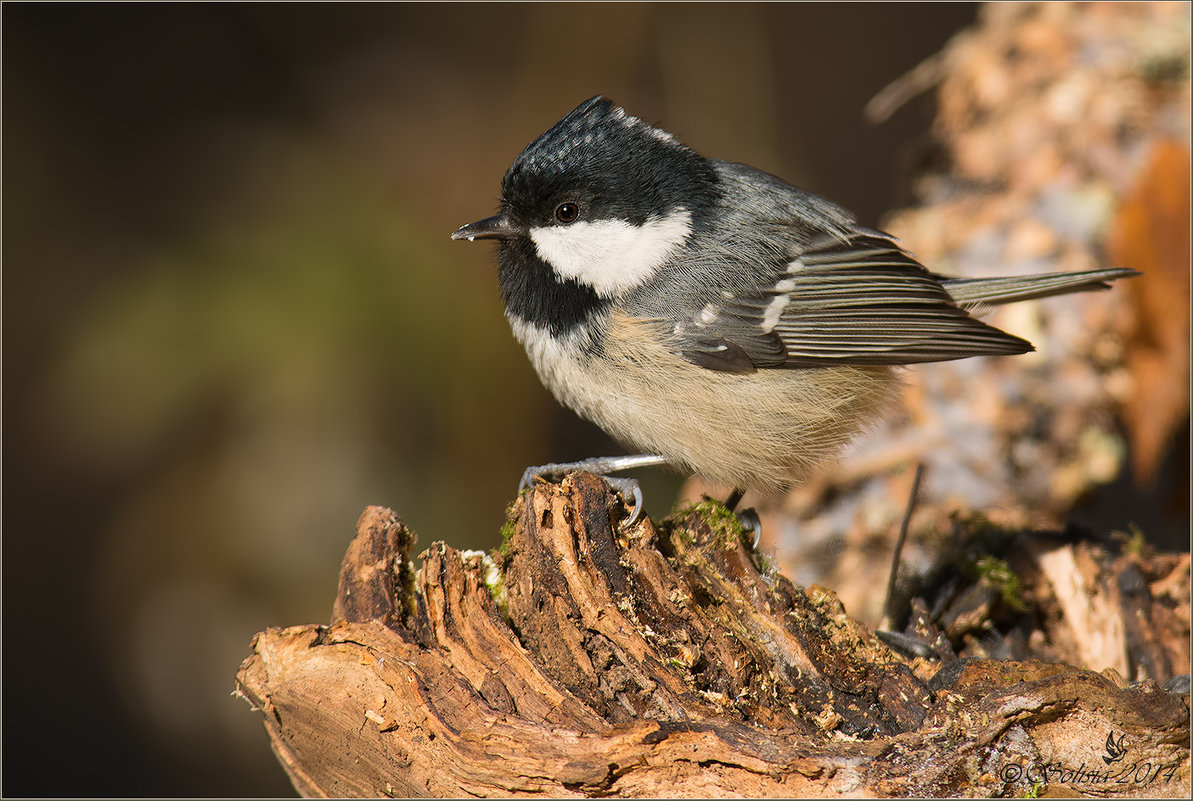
(590, 657)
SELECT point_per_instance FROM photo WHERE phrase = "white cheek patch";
(611, 256)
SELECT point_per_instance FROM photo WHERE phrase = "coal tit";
(706, 312)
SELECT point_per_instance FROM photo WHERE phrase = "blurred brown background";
(233, 316)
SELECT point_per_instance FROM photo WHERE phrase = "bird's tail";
(1014, 288)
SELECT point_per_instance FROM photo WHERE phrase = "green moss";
(726, 529)
(765, 565)
(1134, 542)
(507, 529)
(997, 573)
(496, 586)
(491, 573)
(408, 580)
(1035, 790)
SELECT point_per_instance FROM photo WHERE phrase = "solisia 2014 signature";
(1139, 773)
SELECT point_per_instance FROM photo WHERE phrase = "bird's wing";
(1014, 288)
(859, 300)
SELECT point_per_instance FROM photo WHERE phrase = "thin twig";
(920, 79)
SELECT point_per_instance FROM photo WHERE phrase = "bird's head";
(602, 198)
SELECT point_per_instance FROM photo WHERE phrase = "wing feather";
(789, 280)
(857, 301)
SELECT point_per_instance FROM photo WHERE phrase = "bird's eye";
(567, 212)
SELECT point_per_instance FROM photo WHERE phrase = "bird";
(711, 315)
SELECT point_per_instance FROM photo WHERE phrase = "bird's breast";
(765, 429)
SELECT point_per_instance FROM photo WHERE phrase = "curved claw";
(750, 521)
(629, 486)
(601, 466)
(638, 502)
(528, 477)
(626, 487)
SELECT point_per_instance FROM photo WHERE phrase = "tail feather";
(1014, 288)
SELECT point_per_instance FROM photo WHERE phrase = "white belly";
(762, 430)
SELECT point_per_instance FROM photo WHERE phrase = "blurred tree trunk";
(596, 658)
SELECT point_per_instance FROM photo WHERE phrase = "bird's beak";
(496, 227)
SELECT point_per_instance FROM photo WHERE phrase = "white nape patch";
(774, 309)
(630, 121)
(611, 256)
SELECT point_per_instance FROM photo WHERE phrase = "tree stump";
(589, 657)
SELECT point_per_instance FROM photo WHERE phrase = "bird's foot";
(628, 488)
(750, 521)
(748, 518)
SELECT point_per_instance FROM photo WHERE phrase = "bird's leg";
(748, 517)
(734, 498)
(602, 466)
(904, 643)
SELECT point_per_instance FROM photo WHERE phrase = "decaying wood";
(591, 657)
